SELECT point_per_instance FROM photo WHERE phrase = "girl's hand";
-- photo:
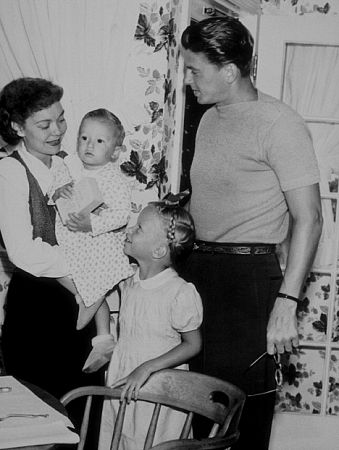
(189, 347)
(133, 382)
(79, 222)
(65, 191)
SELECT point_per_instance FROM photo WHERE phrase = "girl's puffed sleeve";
(187, 310)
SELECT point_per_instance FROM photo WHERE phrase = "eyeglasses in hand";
(277, 374)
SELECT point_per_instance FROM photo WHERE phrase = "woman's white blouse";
(33, 256)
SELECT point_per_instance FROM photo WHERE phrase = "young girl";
(159, 322)
(93, 242)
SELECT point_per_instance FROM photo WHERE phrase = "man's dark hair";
(222, 40)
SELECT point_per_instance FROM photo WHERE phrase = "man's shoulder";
(274, 107)
(210, 115)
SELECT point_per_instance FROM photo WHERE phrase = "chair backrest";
(187, 391)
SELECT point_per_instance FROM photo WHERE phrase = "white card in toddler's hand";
(26, 420)
(86, 197)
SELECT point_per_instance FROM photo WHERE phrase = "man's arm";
(305, 211)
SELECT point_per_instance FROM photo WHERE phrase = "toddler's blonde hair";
(104, 115)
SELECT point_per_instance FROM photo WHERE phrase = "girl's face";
(96, 143)
(43, 131)
(145, 236)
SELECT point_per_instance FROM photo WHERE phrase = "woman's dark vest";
(42, 214)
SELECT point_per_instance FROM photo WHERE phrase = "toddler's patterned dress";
(153, 313)
(96, 259)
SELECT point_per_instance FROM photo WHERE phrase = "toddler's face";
(96, 143)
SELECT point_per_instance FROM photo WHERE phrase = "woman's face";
(43, 131)
(206, 80)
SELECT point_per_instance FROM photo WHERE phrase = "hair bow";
(170, 199)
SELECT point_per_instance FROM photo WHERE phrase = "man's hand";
(79, 222)
(282, 332)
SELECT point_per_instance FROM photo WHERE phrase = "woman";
(40, 342)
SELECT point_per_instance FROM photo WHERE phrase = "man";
(254, 177)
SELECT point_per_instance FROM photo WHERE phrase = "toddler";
(159, 322)
(93, 242)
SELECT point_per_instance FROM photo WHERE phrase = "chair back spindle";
(118, 425)
(186, 391)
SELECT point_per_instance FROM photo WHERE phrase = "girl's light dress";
(153, 313)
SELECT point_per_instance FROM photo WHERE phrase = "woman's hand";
(65, 191)
(133, 382)
(79, 222)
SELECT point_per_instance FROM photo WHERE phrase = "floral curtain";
(290, 7)
(154, 100)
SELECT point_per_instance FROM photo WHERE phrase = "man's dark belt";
(234, 249)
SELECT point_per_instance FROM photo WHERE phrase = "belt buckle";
(242, 250)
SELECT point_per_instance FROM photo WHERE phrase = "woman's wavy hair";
(21, 98)
(104, 115)
(222, 40)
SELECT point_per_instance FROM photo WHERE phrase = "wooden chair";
(194, 393)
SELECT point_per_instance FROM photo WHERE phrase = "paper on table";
(21, 431)
(51, 433)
